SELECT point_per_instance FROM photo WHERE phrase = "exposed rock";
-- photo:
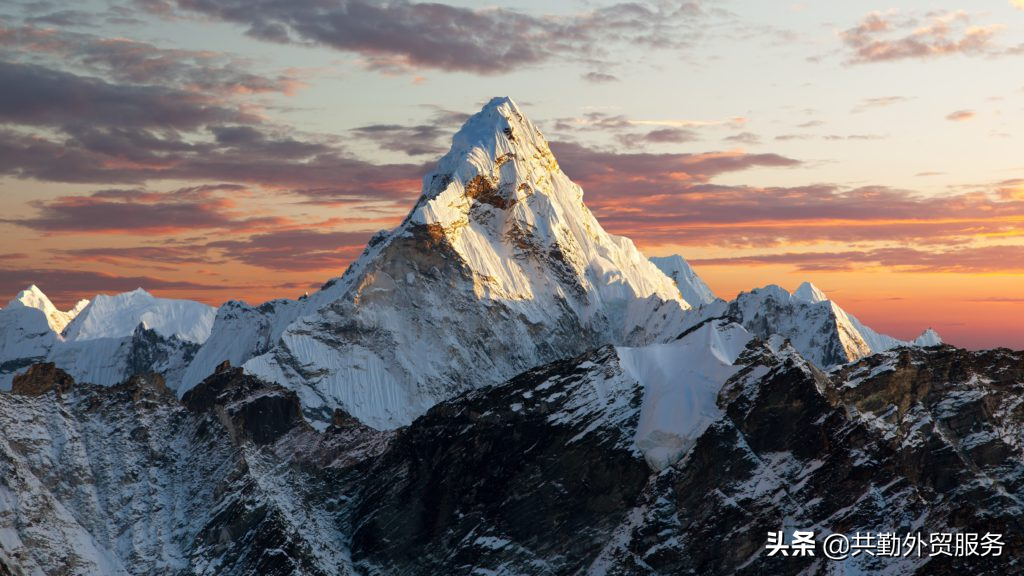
(40, 379)
(248, 407)
(147, 387)
(141, 485)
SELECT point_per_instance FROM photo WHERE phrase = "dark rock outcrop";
(41, 379)
(248, 407)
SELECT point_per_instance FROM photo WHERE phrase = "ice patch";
(681, 382)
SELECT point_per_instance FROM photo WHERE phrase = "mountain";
(816, 326)
(497, 386)
(103, 341)
(548, 473)
(117, 316)
(928, 338)
(33, 298)
(541, 475)
(29, 327)
(240, 332)
(127, 479)
(499, 267)
(690, 285)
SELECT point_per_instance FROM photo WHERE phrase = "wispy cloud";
(36, 96)
(878, 102)
(600, 77)
(890, 36)
(139, 211)
(276, 250)
(748, 138)
(960, 115)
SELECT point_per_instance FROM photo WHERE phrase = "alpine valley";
(497, 386)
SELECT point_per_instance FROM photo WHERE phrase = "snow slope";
(499, 267)
(681, 382)
(240, 332)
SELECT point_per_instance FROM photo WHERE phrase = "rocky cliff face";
(540, 475)
(128, 480)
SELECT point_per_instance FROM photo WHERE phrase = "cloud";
(659, 136)
(401, 35)
(319, 173)
(419, 140)
(970, 260)
(960, 116)
(139, 211)
(887, 37)
(672, 199)
(296, 250)
(593, 121)
(64, 18)
(748, 138)
(431, 138)
(167, 252)
(136, 62)
(617, 174)
(878, 102)
(68, 286)
(600, 77)
(133, 112)
(291, 246)
(38, 96)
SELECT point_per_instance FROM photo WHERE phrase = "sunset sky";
(231, 149)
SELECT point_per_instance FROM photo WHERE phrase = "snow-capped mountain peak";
(821, 330)
(33, 297)
(808, 292)
(691, 286)
(928, 338)
(500, 253)
(499, 198)
(119, 315)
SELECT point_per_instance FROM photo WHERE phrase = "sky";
(229, 149)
